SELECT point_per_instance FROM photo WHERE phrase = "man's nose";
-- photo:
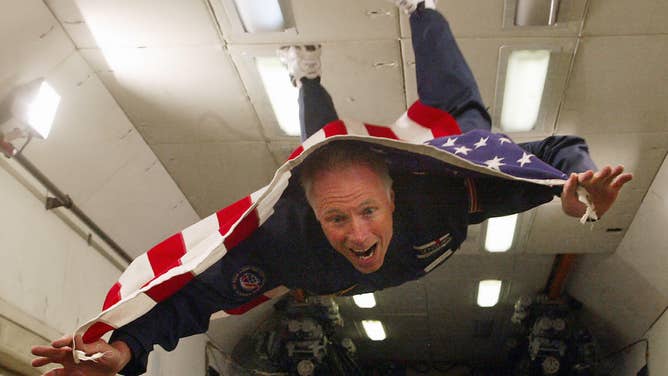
(359, 232)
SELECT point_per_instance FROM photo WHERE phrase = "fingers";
(614, 172)
(612, 176)
(38, 362)
(570, 185)
(61, 342)
(602, 175)
(51, 352)
(621, 180)
(55, 372)
(584, 178)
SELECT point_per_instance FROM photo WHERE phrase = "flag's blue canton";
(497, 152)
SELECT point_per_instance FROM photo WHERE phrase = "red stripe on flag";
(247, 226)
(113, 296)
(96, 331)
(167, 254)
(335, 128)
(169, 287)
(380, 131)
(438, 121)
(247, 306)
(231, 214)
(296, 153)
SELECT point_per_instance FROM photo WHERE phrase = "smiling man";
(351, 194)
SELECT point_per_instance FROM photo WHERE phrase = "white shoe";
(301, 61)
(409, 6)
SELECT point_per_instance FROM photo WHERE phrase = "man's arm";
(185, 313)
(570, 154)
(240, 277)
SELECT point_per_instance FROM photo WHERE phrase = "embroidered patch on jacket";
(426, 250)
(248, 281)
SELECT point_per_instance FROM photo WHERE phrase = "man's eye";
(336, 219)
(368, 211)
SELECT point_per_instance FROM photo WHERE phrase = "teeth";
(366, 257)
(364, 253)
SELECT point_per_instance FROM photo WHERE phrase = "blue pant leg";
(444, 79)
(316, 108)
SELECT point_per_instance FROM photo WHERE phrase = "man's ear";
(392, 199)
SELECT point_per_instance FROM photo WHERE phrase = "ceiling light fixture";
(365, 300)
(42, 110)
(500, 233)
(524, 85)
(260, 15)
(282, 95)
(488, 292)
(374, 330)
(34, 106)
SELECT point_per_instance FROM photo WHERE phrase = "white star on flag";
(481, 143)
(450, 142)
(495, 163)
(526, 158)
(503, 140)
(462, 150)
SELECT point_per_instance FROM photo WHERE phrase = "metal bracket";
(54, 202)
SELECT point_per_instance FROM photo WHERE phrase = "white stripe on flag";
(219, 315)
(276, 292)
(200, 230)
(198, 252)
(128, 311)
(314, 139)
(136, 275)
(356, 128)
(407, 129)
(265, 207)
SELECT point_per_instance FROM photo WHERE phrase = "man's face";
(355, 209)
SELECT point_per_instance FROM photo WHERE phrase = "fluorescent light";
(34, 105)
(500, 233)
(374, 329)
(260, 15)
(525, 81)
(488, 292)
(365, 300)
(282, 95)
(43, 109)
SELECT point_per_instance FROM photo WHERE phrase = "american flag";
(421, 136)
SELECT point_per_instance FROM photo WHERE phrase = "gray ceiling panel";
(176, 96)
(613, 87)
(136, 23)
(573, 236)
(214, 175)
(625, 17)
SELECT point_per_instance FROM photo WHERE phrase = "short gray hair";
(340, 155)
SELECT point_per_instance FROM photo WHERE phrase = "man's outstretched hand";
(603, 187)
(115, 357)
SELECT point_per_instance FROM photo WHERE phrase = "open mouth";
(365, 254)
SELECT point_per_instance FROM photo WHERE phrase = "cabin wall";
(625, 292)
